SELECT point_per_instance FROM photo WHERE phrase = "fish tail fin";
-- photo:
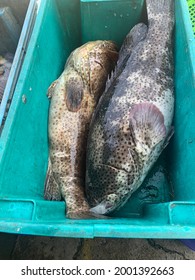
(163, 7)
(52, 190)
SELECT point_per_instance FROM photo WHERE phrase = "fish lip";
(114, 167)
(99, 209)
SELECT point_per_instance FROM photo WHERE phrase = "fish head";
(106, 188)
(127, 153)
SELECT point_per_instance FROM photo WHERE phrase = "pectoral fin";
(147, 124)
(51, 89)
(52, 190)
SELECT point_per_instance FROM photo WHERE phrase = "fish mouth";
(114, 167)
(100, 209)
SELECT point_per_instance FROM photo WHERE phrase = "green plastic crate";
(16, 23)
(164, 207)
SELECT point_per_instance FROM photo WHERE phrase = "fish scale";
(132, 122)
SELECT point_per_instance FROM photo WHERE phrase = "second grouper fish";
(132, 122)
(74, 96)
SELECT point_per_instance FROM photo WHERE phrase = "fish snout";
(107, 205)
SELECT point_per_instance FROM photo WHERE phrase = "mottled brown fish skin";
(73, 99)
(132, 122)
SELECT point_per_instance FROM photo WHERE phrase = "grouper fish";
(132, 123)
(74, 96)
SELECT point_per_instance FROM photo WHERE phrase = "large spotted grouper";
(74, 96)
(132, 122)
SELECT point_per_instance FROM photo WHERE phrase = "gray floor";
(35, 247)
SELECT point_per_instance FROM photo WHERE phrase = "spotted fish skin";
(132, 122)
(74, 96)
